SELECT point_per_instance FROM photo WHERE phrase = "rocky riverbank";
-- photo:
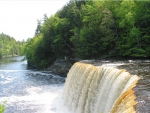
(61, 66)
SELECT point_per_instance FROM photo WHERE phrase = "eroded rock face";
(61, 67)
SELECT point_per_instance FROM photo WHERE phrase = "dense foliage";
(92, 29)
(9, 46)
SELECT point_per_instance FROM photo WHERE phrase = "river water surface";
(31, 91)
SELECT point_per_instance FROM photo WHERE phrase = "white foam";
(44, 102)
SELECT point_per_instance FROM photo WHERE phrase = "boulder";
(61, 67)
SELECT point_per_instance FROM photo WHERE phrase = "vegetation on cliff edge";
(92, 29)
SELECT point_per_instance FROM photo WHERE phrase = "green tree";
(38, 28)
(89, 29)
(9, 46)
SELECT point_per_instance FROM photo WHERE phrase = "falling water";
(98, 89)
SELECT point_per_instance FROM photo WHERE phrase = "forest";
(9, 46)
(91, 30)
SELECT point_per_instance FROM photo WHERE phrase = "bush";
(2, 108)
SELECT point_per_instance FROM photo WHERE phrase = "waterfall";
(98, 89)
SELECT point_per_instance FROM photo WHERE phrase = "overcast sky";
(18, 18)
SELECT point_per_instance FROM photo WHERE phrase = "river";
(27, 90)
(32, 91)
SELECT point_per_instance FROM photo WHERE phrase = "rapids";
(32, 91)
(28, 90)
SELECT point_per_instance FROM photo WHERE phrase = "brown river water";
(138, 67)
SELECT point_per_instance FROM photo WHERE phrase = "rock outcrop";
(61, 67)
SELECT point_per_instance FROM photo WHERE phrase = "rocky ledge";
(61, 67)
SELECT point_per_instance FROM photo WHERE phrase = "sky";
(18, 18)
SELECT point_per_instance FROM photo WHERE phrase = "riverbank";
(9, 56)
(61, 66)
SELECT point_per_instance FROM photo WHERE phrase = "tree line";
(91, 29)
(9, 46)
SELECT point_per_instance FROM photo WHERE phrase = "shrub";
(2, 108)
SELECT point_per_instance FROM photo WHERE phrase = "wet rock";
(61, 67)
